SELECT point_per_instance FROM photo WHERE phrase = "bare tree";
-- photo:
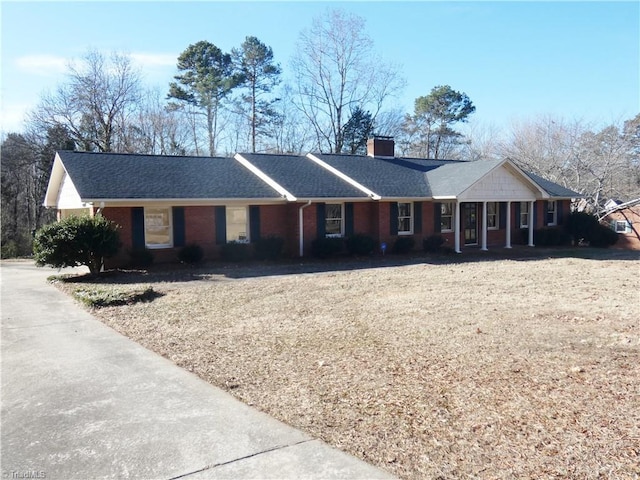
(597, 164)
(336, 70)
(95, 102)
(158, 129)
(288, 132)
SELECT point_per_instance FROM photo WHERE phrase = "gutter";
(301, 226)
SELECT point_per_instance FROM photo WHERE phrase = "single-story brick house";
(624, 219)
(165, 202)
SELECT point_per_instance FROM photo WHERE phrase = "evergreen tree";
(207, 78)
(259, 74)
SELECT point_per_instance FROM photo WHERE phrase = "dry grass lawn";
(449, 368)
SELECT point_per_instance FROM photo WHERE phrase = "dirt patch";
(486, 369)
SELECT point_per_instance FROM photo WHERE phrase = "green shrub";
(269, 248)
(141, 258)
(191, 254)
(601, 236)
(75, 241)
(433, 243)
(403, 245)
(580, 225)
(97, 297)
(360, 244)
(9, 250)
(551, 237)
(236, 252)
(327, 247)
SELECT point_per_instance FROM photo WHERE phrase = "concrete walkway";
(80, 401)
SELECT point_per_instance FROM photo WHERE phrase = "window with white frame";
(405, 218)
(157, 227)
(621, 226)
(524, 214)
(333, 220)
(447, 210)
(552, 212)
(492, 216)
(237, 229)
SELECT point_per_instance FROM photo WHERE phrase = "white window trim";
(453, 217)
(496, 214)
(335, 235)
(527, 213)
(626, 226)
(554, 222)
(157, 246)
(411, 216)
(247, 224)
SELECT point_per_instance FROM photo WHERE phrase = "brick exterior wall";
(628, 240)
(369, 218)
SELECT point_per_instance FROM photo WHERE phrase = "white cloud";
(154, 60)
(46, 65)
(12, 117)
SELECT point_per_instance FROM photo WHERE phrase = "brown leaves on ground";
(496, 369)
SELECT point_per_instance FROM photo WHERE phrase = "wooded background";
(341, 93)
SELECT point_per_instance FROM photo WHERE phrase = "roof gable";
(101, 176)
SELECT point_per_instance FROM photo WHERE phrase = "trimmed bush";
(580, 225)
(433, 244)
(76, 241)
(236, 252)
(403, 245)
(551, 237)
(269, 248)
(141, 258)
(327, 247)
(191, 254)
(601, 236)
(360, 244)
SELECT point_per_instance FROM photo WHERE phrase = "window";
(492, 216)
(405, 218)
(552, 213)
(621, 226)
(157, 227)
(237, 224)
(446, 216)
(524, 214)
(333, 220)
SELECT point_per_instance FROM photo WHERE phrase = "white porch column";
(531, 226)
(484, 226)
(508, 233)
(456, 229)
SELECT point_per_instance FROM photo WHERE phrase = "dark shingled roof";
(123, 176)
(388, 177)
(553, 189)
(303, 178)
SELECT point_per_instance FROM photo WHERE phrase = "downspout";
(301, 226)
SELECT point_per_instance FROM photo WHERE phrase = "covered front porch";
(484, 223)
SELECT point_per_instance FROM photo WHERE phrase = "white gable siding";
(500, 184)
(68, 196)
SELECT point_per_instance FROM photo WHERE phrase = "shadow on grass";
(216, 271)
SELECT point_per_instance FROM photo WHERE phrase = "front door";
(470, 222)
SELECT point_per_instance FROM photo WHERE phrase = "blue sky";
(515, 60)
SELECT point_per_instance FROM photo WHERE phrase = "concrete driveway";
(80, 401)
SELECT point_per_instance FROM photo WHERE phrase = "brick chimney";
(380, 146)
